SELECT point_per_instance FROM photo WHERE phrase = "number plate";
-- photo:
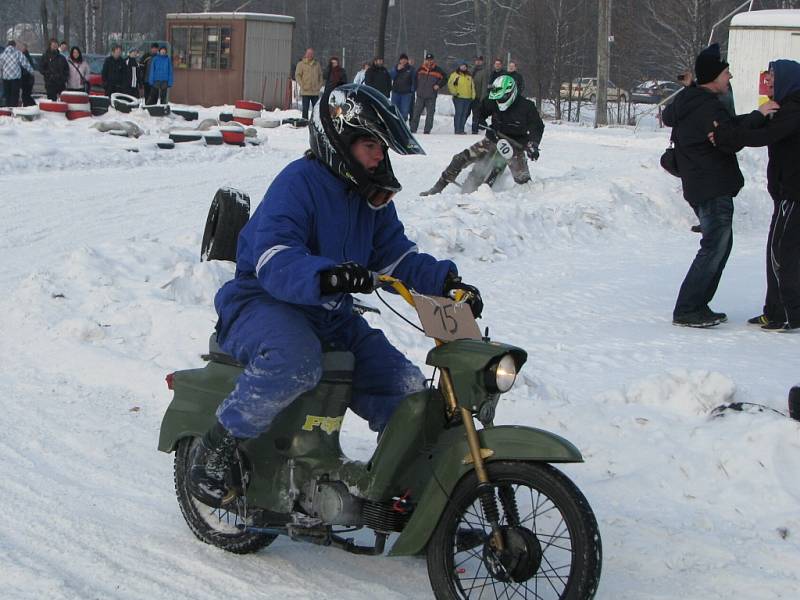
(445, 319)
(505, 149)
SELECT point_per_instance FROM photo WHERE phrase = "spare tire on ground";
(157, 110)
(99, 105)
(123, 102)
(229, 212)
(188, 115)
(225, 117)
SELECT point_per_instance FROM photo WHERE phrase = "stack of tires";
(78, 106)
(245, 111)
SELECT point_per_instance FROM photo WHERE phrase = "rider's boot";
(211, 462)
(437, 188)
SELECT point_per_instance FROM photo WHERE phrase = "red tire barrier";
(78, 114)
(74, 97)
(56, 107)
(247, 105)
(232, 135)
(6, 112)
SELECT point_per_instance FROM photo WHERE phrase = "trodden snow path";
(104, 294)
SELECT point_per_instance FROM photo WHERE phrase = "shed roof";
(228, 16)
(778, 19)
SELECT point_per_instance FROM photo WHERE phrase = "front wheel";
(552, 545)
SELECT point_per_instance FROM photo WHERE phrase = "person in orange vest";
(429, 79)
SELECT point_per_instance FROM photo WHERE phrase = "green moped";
(486, 506)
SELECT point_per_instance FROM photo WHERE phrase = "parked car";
(586, 89)
(654, 91)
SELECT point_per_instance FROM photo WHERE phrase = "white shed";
(756, 38)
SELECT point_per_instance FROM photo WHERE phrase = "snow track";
(104, 294)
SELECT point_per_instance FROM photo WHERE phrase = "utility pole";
(603, 60)
(382, 28)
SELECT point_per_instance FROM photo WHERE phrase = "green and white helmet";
(503, 91)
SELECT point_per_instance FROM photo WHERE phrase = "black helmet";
(352, 111)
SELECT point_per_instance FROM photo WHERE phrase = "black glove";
(532, 150)
(491, 135)
(453, 282)
(347, 278)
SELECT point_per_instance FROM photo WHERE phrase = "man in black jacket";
(55, 70)
(378, 77)
(114, 73)
(404, 83)
(781, 134)
(513, 116)
(711, 179)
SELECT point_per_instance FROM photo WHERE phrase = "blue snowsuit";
(273, 318)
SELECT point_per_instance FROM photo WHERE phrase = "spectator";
(512, 70)
(63, 49)
(429, 79)
(782, 135)
(12, 65)
(481, 91)
(146, 63)
(404, 84)
(710, 178)
(160, 77)
(28, 79)
(462, 88)
(114, 75)
(55, 70)
(78, 79)
(359, 78)
(308, 75)
(497, 71)
(335, 75)
(378, 77)
(133, 73)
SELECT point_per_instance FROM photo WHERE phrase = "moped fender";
(507, 442)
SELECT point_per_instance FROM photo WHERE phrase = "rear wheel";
(229, 212)
(552, 545)
(219, 527)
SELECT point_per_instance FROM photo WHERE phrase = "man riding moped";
(515, 119)
(325, 226)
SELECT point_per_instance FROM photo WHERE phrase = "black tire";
(463, 573)
(229, 212)
(215, 526)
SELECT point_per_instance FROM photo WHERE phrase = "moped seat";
(337, 365)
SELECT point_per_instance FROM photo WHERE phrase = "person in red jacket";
(429, 79)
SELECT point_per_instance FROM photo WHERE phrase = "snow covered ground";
(104, 294)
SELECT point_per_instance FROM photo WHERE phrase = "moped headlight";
(502, 374)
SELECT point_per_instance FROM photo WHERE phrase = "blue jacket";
(309, 221)
(160, 70)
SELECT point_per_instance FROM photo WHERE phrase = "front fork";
(476, 456)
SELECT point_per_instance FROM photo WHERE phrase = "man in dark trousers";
(481, 91)
(404, 84)
(781, 134)
(377, 76)
(13, 67)
(147, 63)
(114, 73)
(55, 70)
(513, 116)
(710, 178)
(429, 79)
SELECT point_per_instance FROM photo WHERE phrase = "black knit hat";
(709, 65)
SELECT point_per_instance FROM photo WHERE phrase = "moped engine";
(332, 502)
